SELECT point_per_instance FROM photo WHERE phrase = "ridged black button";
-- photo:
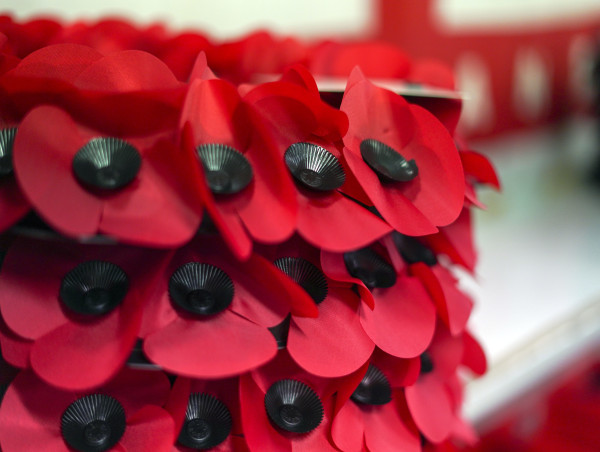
(314, 167)
(412, 250)
(293, 406)
(226, 170)
(368, 266)
(389, 164)
(207, 422)
(374, 389)
(7, 139)
(306, 275)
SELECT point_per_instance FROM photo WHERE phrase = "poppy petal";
(30, 416)
(13, 203)
(478, 167)
(43, 150)
(400, 372)
(220, 346)
(260, 434)
(474, 356)
(347, 429)
(323, 221)
(100, 348)
(334, 267)
(334, 344)
(385, 431)
(403, 320)
(458, 304)
(430, 407)
(151, 428)
(15, 349)
(456, 241)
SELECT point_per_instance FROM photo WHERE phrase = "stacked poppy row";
(208, 265)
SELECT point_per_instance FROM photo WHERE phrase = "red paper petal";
(323, 221)
(43, 150)
(13, 203)
(318, 439)
(474, 356)
(151, 428)
(403, 320)
(334, 344)
(155, 213)
(458, 304)
(30, 416)
(446, 352)
(477, 166)
(347, 429)
(220, 346)
(400, 372)
(456, 241)
(15, 349)
(100, 349)
(430, 407)
(385, 430)
(260, 434)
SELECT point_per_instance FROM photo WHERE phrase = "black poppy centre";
(314, 167)
(227, 171)
(207, 422)
(306, 275)
(293, 406)
(94, 287)
(106, 163)
(201, 288)
(368, 266)
(388, 163)
(374, 389)
(93, 423)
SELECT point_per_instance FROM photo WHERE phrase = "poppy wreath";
(196, 257)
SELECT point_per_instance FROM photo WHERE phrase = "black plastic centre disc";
(314, 166)
(207, 422)
(426, 363)
(94, 287)
(368, 266)
(7, 139)
(226, 170)
(201, 288)
(389, 165)
(107, 163)
(374, 389)
(305, 274)
(412, 250)
(293, 406)
(93, 423)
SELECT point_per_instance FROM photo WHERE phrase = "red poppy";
(15, 349)
(194, 404)
(244, 185)
(135, 189)
(286, 409)
(27, 37)
(374, 416)
(306, 131)
(210, 314)
(80, 304)
(399, 318)
(434, 400)
(417, 183)
(36, 416)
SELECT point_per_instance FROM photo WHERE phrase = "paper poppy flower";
(245, 187)
(334, 343)
(286, 409)
(403, 157)
(210, 314)
(397, 312)
(430, 399)
(207, 415)
(124, 414)
(80, 304)
(306, 131)
(373, 415)
(83, 182)
(15, 349)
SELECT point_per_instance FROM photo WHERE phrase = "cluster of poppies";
(193, 261)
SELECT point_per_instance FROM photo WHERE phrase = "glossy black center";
(306, 275)
(374, 389)
(198, 429)
(201, 288)
(368, 266)
(293, 406)
(106, 163)
(207, 422)
(226, 170)
(7, 139)
(290, 415)
(94, 288)
(388, 163)
(426, 363)
(314, 167)
(412, 250)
